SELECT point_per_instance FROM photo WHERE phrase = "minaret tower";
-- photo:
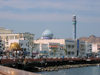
(74, 26)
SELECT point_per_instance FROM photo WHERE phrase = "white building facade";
(75, 48)
(82, 48)
(1, 46)
(95, 47)
(25, 40)
(53, 47)
(88, 49)
(62, 47)
(71, 48)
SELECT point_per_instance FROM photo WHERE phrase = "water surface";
(93, 70)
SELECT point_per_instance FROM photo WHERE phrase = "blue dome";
(47, 34)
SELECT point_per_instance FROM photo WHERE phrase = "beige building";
(7, 38)
(71, 48)
(95, 42)
(96, 47)
(60, 41)
(50, 46)
(3, 30)
(64, 47)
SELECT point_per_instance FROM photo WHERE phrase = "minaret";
(74, 26)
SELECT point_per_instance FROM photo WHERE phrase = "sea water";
(91, 70)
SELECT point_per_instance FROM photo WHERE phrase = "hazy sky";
(56, 15)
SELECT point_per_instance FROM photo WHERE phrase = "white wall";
(94, 48)
(88, 47)
(71, 48)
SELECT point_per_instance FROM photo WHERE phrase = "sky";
(35, 16)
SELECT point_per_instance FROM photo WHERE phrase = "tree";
(65, 51)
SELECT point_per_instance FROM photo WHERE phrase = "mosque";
(47, 45)
(47, 34)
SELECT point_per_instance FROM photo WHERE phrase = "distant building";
(24, 44)
(82, 48)
(71, 48)
(95, 41)
(3, 30)
(96, 47)
(18, 37)
(91, 39)
(88, 48)
(1, 45)
(50, 45)
(25, 40)
(75, 48)
(59, 47)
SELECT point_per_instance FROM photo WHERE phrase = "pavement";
(11, 71)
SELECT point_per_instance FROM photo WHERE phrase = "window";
(69, 46)
(6, 43)
(2, 44)
(27, 44)
(16, 37)
(98, 48)
(11, 37)
(72, 53)
(21, 44)
(69, 53)
(24, 49)
(72, 46)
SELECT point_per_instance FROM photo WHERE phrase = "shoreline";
(56, 68)
(40, 65)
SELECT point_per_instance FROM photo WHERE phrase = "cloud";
(65, 5)
(35, 17)
(48, 17)
(49, 10)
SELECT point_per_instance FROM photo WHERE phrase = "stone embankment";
(56, 68)
(49, 64)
